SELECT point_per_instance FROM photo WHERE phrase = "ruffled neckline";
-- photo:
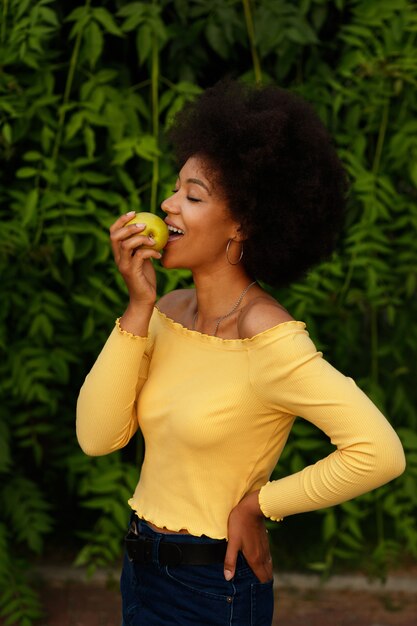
(220, 341)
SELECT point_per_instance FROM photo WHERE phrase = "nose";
(169, 205)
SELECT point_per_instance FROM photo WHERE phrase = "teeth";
(175, 230)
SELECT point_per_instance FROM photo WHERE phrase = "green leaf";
(329, 525)
(408, 438)
(47, 136)
(49, 15)
(30, 207)
(106, 19)
(96, 178)
(26, 172)
(5, 451)
(144, 42)
(216, 39)
(94, 42)
(32, 155)
(413, 173)
(90, 141)
(74, 125)
(88, 327)
(7, 132)
(134, 13)
(77, 14)
(309, 444)
(68, 248)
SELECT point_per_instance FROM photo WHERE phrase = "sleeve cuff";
(263, 503)
(125, 332)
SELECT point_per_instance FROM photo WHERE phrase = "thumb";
(230, 560)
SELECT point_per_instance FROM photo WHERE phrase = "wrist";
(250, 504)
(136, 319)
(139, 308)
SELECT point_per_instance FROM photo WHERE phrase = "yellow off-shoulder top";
(215, 415)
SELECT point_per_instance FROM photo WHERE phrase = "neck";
(216, 294)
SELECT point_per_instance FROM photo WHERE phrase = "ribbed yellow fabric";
(216, 413)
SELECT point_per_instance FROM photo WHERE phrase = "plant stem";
(379, 515)
(155, 118)
(3, 25)
(140, 85)
(374, 345)
(67, 91)
(375, 167)
(251, 34)
(381, 137)
(374, 313)
(61, 117)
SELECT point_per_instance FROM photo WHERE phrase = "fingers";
(260, 562)
(231, 558)
(126, 239)
(262, 569)
(133, 242)
(261, 566)
(116, 230)
(247, 532)
(265, 572)
(122, 220)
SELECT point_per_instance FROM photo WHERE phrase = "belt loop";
(155, 550)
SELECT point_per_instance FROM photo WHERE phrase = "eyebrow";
(197, 181)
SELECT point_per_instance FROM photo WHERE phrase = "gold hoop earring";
(227, 253)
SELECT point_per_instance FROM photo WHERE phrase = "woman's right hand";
(133, 260)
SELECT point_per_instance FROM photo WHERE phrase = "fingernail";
(228, 574)
(130, 213)
(140, 225)
(151, 239)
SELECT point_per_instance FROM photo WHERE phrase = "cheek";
(165, 262)
(173, 258)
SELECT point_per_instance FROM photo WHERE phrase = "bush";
(86, 93)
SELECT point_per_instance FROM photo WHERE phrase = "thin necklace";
(238, 301)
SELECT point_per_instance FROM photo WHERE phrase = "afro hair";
(278, 169)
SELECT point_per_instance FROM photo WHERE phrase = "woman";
(214, 376)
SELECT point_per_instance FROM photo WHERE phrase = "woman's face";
(199, 210)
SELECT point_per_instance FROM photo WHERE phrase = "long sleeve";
(106, 406)
(290, 376)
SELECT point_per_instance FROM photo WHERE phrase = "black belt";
(140, 550)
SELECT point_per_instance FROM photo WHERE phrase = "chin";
(169, 264)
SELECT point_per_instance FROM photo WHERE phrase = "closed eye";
(190, 198)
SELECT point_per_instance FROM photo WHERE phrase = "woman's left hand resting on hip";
(247, 533)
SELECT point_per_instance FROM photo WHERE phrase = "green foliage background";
(87, 90)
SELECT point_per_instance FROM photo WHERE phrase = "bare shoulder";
(260, 314)
(176, 303)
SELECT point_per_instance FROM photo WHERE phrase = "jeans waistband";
(146, 546)
(145, 530)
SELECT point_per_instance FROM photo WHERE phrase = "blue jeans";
(192, 595)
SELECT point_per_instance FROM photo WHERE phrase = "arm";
(247, 532)
(106, 408)
(292, 377)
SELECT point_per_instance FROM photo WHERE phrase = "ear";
(239, 234)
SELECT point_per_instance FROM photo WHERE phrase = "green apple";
(155, 228)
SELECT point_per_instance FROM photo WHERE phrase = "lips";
(174, 232)
(174, 229)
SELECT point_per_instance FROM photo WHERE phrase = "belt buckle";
(138, 548)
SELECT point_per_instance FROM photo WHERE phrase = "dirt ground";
(75, 604)
(344, 608)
